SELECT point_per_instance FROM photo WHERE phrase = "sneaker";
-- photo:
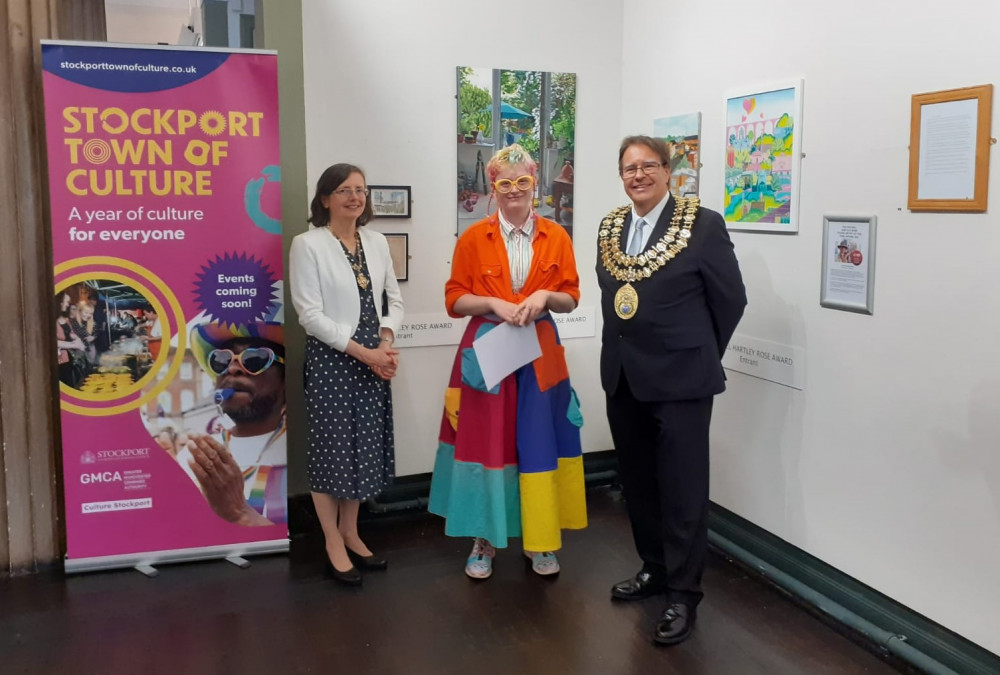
(480, 562)
(544, 563)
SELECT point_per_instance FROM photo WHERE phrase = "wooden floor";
(421, 616)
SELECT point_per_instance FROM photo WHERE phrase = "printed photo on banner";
(108, 336)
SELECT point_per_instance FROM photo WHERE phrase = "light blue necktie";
(635, 246)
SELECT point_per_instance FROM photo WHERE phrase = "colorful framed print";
(762, 163)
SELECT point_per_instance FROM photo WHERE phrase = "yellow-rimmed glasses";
(504, 185)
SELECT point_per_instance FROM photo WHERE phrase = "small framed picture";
(848, 281)
(391, 201)
(399, 250)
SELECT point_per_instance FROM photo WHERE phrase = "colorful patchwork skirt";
(509, 462)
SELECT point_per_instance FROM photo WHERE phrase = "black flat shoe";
(642, 585)
(367, 562)
(675, 625)
(351, 577)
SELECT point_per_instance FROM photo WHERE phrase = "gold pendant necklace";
(626, 302)
(360, 264)
(629, 268)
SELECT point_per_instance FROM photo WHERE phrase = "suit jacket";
(671, 349)
(324, 288)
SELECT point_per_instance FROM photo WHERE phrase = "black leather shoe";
(367, 562)
(351, 577)
(642, 585)
(675, 625)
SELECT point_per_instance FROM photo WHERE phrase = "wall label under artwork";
(771, 361)
(581, 322)
(430, 330)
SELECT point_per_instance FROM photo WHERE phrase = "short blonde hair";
(512, 155)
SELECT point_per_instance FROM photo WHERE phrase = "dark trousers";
(663, 461)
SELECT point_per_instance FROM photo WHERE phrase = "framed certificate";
(950, 150)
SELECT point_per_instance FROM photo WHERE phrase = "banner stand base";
(147, 570)
(144, 562)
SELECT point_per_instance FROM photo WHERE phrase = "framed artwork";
(762, 164)
(950, 149)
(391, 201)
(683, 136)
(848, 280)
(399, 250)
(533, 108)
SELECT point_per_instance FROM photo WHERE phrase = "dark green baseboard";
(933, 640)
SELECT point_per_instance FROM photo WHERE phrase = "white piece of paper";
(947, 166)
(505, 349)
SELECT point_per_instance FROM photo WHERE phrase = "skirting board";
(922, 634)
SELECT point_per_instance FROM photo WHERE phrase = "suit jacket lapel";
(623, 237)
(662, 223)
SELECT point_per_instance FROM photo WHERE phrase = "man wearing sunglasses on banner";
(242, 471)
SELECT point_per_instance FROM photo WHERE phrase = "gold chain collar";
(633, 268)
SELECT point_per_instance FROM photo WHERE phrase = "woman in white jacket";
(338, 272)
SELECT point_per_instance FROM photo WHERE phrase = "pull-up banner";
(166, 239)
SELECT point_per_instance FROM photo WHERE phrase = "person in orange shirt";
(509, 462)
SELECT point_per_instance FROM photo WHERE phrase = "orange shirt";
(480, 267)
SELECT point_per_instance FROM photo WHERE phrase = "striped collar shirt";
(519, 251)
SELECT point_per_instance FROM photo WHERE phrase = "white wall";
(887, 465)
(380, 93)
(152, 21)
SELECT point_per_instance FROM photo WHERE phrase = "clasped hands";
(383, 360)
(523, 313)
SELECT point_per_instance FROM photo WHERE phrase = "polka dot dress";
(350, 413)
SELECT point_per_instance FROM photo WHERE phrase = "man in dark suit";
(671, 296)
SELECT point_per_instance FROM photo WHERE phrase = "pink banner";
(164, 174)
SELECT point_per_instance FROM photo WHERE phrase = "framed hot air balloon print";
(762, 163)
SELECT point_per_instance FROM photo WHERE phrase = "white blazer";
(324, 287)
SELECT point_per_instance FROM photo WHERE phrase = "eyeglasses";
(253, 360)
(347, 192)
(504, 185)
(646, 167)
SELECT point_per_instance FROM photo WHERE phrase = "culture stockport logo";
(90, 457)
